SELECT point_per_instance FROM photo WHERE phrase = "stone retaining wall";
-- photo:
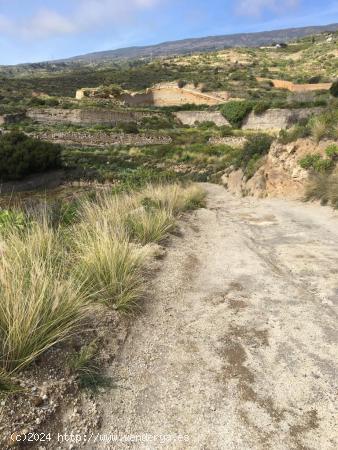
(292, 87)
(277, 119)
(233, 141)
(84, 139)
(86, 116)
(190, 117)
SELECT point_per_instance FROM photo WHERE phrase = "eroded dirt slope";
(237, 345)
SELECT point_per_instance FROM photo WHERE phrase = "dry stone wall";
(101, 139)
(233, 141)
(85, 116)
(191, 117)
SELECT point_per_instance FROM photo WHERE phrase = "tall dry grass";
(146, 225)
(319, 128)
(324, 187)
(174, 197)
(52, 276)
(40, 304)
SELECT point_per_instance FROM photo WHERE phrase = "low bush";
(128, 127)
(41, 101)
(256, 146)
(292, 134)
(332, 151)
(334, 89)
(236, 111)
(261, 107)
(21, 155)
(316, 163)
(156, 123)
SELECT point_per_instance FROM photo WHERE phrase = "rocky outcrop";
(101, 139)
(86, 116)
(277, 119)
(280, 174)
(193, 117)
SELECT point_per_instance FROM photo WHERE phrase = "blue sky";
(38, 30)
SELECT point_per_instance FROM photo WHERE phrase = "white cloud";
(5, 24)
(257, 7)
(46, 23)
(85, 15)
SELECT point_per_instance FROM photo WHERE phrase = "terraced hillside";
(99, 208)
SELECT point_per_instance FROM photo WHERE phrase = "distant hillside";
(205, 44)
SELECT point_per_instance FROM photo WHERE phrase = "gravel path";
(237, 345)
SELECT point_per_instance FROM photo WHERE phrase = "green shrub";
(128, 127)
(294, 133)
(256, 146)
(253, 165)
(21, 155)
(156, 123)
(236, 111)
(206, 124)
(332, 151)
(334, 89)
(225, 131)
(48, 101)
(315, 80)
(261, 107)
(315, 162)
(181, 83)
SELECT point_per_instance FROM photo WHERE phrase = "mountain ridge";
(208, 43)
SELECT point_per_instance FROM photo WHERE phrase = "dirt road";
(237, 345)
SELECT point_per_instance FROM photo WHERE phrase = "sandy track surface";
(237, 345)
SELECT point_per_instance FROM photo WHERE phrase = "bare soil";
(237, 345)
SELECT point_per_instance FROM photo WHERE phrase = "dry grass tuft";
(40, 306)
(324, 187)
(147, 225)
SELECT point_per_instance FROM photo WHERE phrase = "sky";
(40, 30)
